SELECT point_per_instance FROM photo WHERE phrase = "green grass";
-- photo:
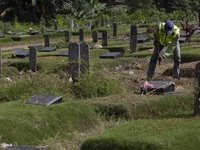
(161, 133)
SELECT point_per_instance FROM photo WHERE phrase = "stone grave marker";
(85, 57)
(81, 34)
(42, 30)
(100, 37)
(197, 90)
(46, 40)
(33, 32)
(50, 30)
(111, 55)
(22, 148)
(21, 55)
(143, 39)
(55, 26)
(35, 45)
(17, 50)
(63, 53)
(96, 23)
(102, 22)
(89, 25)
(2, 35)
(182, 39)
(114, 29)
(0, 63)
(74, 57)
(46, 100)
(61, 31)
(76, 26)
(95, 36)
(32, 59)
(71, 25)
(141, 32)
(122, 38)
(20, 33)
(67, 39)
(47, 49)
(133, 38)
(104, 38)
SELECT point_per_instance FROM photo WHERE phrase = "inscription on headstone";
(114, 29)
(104, 38)
(95, 36)
(71, 25)
(81, 34)
(85, 57)
(46, 40)
(46, 100)
(32, 58)
(133, 38)
(74, 56)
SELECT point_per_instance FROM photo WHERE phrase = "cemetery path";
(16, 46)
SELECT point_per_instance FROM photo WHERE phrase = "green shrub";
(23, 66)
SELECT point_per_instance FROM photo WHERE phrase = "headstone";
(17, 50)
(74, 56)
(122, 38)
(67, 36)
(46, 40)
(85, 57)
(71, 25)
(81, 34)
(197, 90)
(32, 58)
(76, 26)
(55, 26)
(50, 30)
(47, 49)
(104, 38)
(34, 45)
(114, 29)
(100, 37)
(102, 22)
(0, 63)
(42, 30)
(2, 35)
(89, 25)
(199, 17)
(95, 36)
(111, 55)
(46, 100)
(96, 23)
(20, 55)
(133, 38)
(143, 39)
(63, 53)
(23, 148)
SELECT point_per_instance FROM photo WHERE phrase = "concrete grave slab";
(182, 39)
(20, 33)
(111, 55)
(143, 39)
(23, 148)
(141, 32)
(17, 50)
(34, 45)
(63, 53)
(20, 55)
(46, 100)
(47, 49)
(123, 38)
(50, 30)
(33, 32)
(100, 37)
(61, 31)
(2, 35)
(11, 33)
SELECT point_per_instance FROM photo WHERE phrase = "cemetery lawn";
(102, 110)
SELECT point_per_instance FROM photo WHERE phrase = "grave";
(141, 32)
(17, 50)
(50, 30)
(11, 33)
(122, 38)
(46, 100)
(61, 31)
(100, 37)
(20, 55)
(22, 148)
(2, 35)
(111, 55)
(143, 39)
(182, 39)
(162, 87)
(47, 49)
(20, 33)
(33, 32)
(63, 53)
(34, 45)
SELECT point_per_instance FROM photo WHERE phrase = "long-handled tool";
(150, 30)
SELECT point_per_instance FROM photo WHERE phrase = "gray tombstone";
(197, 90)
(133, 38)
(67, 36)
(76, 25)
(43, 30)
(114, 29)
(104, 38)
(89, 25)
(81, 34)
(85, 57)
(55, 26)
(102, 22)
(71, 25)
(74, 57)
(95, 36)
(46, 40)
(32, 58)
